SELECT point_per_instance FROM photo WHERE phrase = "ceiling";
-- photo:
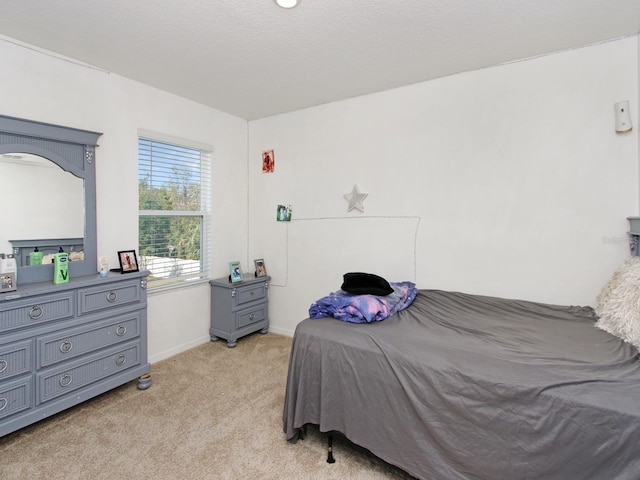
(253, 59)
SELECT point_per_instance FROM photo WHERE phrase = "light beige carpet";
(211, 413)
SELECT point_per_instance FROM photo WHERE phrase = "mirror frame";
(73, 150)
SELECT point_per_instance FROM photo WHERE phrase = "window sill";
(154, 288)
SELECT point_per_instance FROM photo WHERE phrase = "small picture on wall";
(283, 213)
(261, 269)
(235, 272)
(128, 261)
(268, 161)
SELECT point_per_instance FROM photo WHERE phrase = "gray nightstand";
(238, 309)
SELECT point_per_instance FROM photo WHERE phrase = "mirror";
(53, 198)
(48, 175)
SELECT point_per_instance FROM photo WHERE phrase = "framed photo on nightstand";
(261, 269)
(235, 272)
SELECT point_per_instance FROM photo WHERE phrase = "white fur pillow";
(618, 305)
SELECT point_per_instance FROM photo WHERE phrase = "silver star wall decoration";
(355, 199)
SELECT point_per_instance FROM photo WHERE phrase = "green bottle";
(60, 268)
(35, 257)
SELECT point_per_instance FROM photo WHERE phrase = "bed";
(460, 386)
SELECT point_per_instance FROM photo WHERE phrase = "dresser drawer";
(70, 343)
(30, 311)
(67, 378)
(108, 296)
(15, 396)
(249, 316)
(15, 359)
(250, 293)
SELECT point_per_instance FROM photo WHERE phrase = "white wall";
(45, 88)
(507, 181)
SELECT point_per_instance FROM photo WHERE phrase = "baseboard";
(281, 331)
(179, 349)
(202, 340)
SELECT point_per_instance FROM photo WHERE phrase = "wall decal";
(355, 199)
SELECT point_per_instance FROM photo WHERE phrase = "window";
(174, 202)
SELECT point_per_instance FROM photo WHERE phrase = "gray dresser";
(238, 309)
(63, 344)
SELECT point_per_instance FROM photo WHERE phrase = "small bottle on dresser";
(35, 257)
(61, 267)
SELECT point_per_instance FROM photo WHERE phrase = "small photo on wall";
(283, 213)
(268, 161)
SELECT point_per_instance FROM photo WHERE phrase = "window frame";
(204, 213)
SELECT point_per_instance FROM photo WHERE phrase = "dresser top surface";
(42, 288)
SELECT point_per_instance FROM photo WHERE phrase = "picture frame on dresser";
(128, 261)
(235, 272)
(261, 269)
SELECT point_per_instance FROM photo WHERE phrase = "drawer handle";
(36, 312)
(121, 359)
(3, 403)
(121, 330)
(65, 380)
(3, 365)
(251, 316)
(112, 296)
(66, 346)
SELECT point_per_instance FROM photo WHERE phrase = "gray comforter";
(461, 386)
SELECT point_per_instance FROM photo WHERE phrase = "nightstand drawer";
(15, 397)
(15, 359)
(31, 311)
(250, 293)
(108, 296)
(61, 346)
(247, 317)
(61, 381)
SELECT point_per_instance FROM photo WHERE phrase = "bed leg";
(330, 458)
